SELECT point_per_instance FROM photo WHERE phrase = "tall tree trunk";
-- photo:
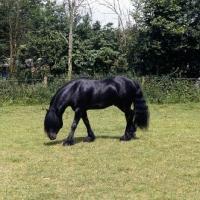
(73, 6)
(10, 38)
(13, 23)
(11, 58)
(70, 48)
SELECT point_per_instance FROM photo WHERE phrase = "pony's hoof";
(68, 143)
(124, 138)
(88, 139)
(134, 136)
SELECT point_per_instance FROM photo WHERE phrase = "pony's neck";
(60, 106)
(61, 99)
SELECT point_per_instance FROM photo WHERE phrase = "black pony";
(83, 94)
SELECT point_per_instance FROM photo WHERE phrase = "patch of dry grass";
(162, 164)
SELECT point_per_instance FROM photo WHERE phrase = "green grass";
(163, 163)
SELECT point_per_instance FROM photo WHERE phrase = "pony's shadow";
(52, 143)
(115, 137)
(108, 137)
(80, 139)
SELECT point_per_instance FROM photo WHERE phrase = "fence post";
(143, 80)
(45, 81)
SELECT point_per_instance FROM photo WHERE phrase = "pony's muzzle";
(52, 136)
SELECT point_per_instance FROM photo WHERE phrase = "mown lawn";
(163, 163)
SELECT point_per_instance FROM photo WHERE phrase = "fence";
(155, 89)
(28, 91)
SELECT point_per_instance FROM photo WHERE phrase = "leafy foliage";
(167, 36)
(169, 90)
(163, 40)
(163, 90)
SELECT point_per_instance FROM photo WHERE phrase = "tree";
(4, 45)
(96, 50)
(122, 12)
(191, 37)
(16, 17)
(124, 21)
(45, 39)
(167, 38)
(162, 43)
(72, 8)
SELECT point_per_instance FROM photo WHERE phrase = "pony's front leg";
(91, 136)
(70, 139)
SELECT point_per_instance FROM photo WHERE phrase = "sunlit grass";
(163, 163)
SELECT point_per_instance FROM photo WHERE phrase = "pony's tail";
(140, 109)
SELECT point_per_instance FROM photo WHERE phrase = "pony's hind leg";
(130, 127)
(91, 136)
(133, 130)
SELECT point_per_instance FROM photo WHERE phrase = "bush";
(163, 90)
(167, 90)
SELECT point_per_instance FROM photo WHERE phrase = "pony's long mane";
(52, 121)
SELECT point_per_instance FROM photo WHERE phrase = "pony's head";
(53, 123)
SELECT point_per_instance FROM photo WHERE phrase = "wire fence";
(65, 79)
(6, 85)
(155, 90)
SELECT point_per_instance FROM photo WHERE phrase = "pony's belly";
(99, 106)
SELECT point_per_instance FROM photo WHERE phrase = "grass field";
(163, 163)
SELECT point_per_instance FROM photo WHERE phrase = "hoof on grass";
(89, 139)
(68, 143)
